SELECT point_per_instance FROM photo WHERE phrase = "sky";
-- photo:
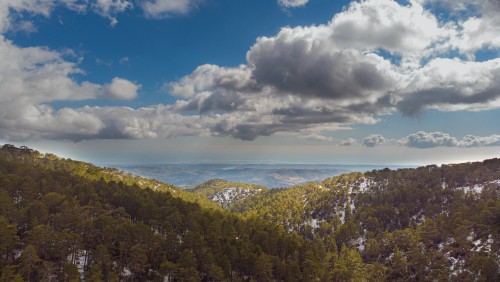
(252, 81)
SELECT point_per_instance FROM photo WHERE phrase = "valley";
(269, 175)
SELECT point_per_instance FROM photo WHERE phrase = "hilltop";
(225, 193)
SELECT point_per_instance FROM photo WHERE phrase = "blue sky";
(160, 50)
(286, 81)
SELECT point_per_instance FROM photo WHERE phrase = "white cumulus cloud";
(424, 139)
(452, 84)
(110, 8)
(348, 142)
(303, 81)
(316, 137)
(207, 77)
(166, 8)
(292, 3)
(373, 140)
(333, 74)
(477, 27)
(31, 78)
(372, 24)
(121, 89)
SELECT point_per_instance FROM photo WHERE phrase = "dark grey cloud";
(204, 103)
(305, 115)
(294, 66)
(247, 131)
(440, 96)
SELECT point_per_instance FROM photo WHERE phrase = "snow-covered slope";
(226, 192)
(232, 194)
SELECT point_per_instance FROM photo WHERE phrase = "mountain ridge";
(269, 175)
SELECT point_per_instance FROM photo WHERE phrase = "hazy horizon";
(269, 175)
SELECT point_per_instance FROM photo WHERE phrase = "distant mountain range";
(269, 175)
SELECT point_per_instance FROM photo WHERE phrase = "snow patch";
(419, 217)
(440, 246)
(79, 258)
(365, 184)
(455, 264)
(471, 236)
(360, 243)
(342, 217)
(232, 194)
(18, 253)
(478, 188)
(314, 223)
(478, 245)
(126, 272)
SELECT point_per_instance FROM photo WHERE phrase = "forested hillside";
(91, 172)
(59, 226)
(226, 192)
(63, 220)
(431, 223)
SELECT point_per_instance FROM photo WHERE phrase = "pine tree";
(398, 268)
(138, 261)
(8, 241)
(30, 263)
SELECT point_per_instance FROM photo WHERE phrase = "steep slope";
(56, 225)
(91, 172)
(226, 192)
(440, 222)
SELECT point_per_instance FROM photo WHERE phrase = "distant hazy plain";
(270, 175)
